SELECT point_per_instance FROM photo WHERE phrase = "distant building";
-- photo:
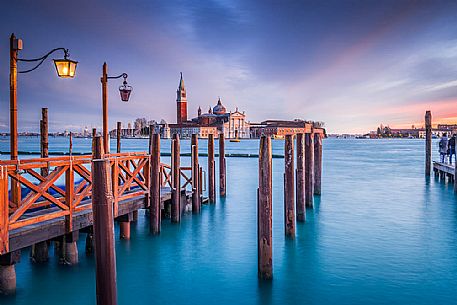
(216, 121)
(278, 128)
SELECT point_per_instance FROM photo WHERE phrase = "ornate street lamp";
(65, 68)
(124, 91)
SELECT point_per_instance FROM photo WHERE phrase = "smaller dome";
(219, 108)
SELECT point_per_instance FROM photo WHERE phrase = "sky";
(351, 64)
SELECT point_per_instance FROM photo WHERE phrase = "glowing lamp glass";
(65, 68)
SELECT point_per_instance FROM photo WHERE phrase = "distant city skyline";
(351, 64)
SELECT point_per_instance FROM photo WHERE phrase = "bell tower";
(181, 100)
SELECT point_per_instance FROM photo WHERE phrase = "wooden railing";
(67, 189)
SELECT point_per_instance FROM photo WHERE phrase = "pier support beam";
(309, 169)
(211, 170)
(102, 206)
(300, 177)
(428, 142)
(154, 207)
(71, 248)
(289, 198)
(317, 163)
(176, 180)
(8, 272)
(40, 252)
(124, 225)
(264, 211)
(196, 204)
(222, 166)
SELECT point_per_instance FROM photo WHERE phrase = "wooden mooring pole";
(196, 203)
(118, 137)
(176, 180)
(44, 139)
(428, 142)
(154, 207)
(309, 169)
(40, 252)
(317, 163)
(102, 206)
(222, 166)
(289, 184)
(264, 211)
(300, 177)
(211, 170)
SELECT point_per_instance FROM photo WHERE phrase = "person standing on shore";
(443, 147)
(452, 149)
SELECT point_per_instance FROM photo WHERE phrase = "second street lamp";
(124, 91)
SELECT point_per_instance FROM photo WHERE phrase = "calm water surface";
(380, 234)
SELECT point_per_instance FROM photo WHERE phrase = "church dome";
(219, 108)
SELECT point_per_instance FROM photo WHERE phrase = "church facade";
(216, 121)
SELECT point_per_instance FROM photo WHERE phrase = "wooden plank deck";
(443, 168)
(28, 235)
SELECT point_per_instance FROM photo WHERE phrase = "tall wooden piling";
(428, 142)
(289, 198)
(40, 252)
(196, 204)
(211, 170)
(222, 166)
(300, 178)
(70, 149)
(118, 137)
(309, 169)
(44, 139)
(176, 180)
(102, 206)
(154, 207)
(317, 163)
(264, 211)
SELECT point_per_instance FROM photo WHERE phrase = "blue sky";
(352, 64)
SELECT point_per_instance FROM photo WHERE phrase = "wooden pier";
(55, 201)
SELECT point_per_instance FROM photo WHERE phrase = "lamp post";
(65, 68)
(124, 91)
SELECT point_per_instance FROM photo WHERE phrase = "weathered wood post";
(309, 169)
(44, 139)
(70, 149)
(300, 177)
(289, 184)
(211, 170)
(154, 207)
(195, 176)
(124, 225)
(8, 272)
(317, 163)
(264, 211)
(71, 248)
(176, 180)
(118, 137)
(40, 252)
(102, 206)
(428, 142)
(222, 166)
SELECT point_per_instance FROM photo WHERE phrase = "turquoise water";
(380, 234)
